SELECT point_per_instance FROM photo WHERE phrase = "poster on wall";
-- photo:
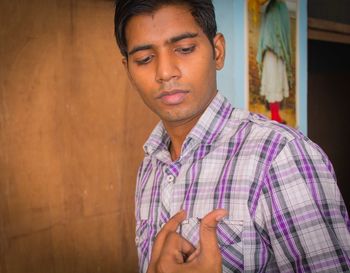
(272, 54)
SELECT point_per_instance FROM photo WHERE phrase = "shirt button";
(170, 178)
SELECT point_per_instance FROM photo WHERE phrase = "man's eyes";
(186, 50)
(144, 60)
(182, 50)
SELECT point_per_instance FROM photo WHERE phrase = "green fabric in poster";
(275, 33)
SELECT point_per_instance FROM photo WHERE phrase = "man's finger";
(176, 247)
(187, 248)
(170, 226)
(175, 221)
(194, 255)
(207, 230)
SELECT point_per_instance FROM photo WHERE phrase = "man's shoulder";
(258, 136)
(257, 127)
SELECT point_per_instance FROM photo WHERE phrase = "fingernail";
(181, 211)
(221, 216)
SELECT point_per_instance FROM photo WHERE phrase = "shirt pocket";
(145, 233)
(229, 235)
(142, 238)
(229, 232)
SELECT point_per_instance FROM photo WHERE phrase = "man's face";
(171, 63)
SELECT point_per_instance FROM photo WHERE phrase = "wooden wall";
(71, 135)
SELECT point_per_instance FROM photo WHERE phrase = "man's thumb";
(207, 230)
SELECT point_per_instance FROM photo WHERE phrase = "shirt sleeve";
(304, 216)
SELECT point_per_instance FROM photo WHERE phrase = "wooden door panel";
(71, 135)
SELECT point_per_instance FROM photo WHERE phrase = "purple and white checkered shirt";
(285, 210)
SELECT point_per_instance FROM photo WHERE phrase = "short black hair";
(202, 11)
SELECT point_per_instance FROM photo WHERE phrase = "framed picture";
(272, 59)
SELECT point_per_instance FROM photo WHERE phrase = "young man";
(253, 195)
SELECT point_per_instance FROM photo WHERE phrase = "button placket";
(170, 178)
(167, 190)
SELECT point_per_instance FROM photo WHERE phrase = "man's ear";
(125, 62)
(126, 67)
(219, 49)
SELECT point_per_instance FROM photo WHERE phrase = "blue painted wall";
(302, 73)
(230, 20)
(230, 16)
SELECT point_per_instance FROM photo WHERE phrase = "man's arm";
(302, 212)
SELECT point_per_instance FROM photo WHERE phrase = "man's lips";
(172, 97)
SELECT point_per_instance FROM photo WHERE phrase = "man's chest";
(223, 178)
(197, 187)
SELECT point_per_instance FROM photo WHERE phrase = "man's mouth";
(173, 97)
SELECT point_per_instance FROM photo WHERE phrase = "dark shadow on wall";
(335, 10)
(328, 105)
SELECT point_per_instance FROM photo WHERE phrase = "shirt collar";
(206, 131)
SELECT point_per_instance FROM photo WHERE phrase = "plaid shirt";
(285, 210)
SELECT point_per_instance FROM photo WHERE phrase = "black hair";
(202, 11)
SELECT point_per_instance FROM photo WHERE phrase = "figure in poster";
(274, 55)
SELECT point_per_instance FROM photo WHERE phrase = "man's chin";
(180, 120)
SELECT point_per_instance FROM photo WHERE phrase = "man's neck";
(178, 134)
(179, 130)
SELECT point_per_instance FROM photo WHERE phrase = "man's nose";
(167, 68)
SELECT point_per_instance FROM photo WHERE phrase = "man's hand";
(172, 253)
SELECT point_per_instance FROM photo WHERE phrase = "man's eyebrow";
(171, 40)
(139, 48)
(182, 36)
